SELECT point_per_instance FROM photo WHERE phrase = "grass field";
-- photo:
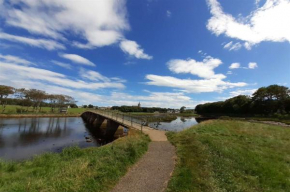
(75, 169)
(12, 109)
(222, 155)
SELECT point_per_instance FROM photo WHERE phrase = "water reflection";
(24, 137)
(176, 125)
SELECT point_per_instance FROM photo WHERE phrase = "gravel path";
(152, 172)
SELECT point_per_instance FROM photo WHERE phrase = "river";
(176, 125)
(21, 138)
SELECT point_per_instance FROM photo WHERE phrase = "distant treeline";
(265, 101)
(140, 109)
(33, 97)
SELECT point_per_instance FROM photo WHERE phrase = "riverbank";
(246, 117)
(37, 115)
(221, 155)
(161, 117)
(20, 110)
(75, 169)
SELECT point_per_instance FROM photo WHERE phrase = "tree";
(53, 100)
(36, 96)
(5, 91)
(90, 106)
(182, 109)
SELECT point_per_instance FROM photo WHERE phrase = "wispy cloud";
(61, 64)
(168, 13)
(77, 59)
(22, 74)
(41, 43)
(15, 59)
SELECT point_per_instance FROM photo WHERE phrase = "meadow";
(221, 155)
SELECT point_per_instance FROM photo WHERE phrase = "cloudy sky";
(164, 53)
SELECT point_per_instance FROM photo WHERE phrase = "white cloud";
(229, 72)
(209, 82)
(203, 69)
(267, 23)
(192, 86)
(15, 59)
(133, 49)
(22, 74)
(252, 65)
(234, 66)
(93, 75)
(242, 92)
(41, 43)
(77, 59)
(82, 91)
(61, 64)
(168, 13)
(99, 23)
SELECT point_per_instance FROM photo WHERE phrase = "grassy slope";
(11, 109)
(232, 156)
(91, 169)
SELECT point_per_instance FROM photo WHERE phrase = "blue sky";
(161, 53)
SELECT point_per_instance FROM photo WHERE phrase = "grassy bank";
(15, 110)
(161, 117)
(75, 169)
(221, 155)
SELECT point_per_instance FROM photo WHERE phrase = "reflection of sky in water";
(176, 125)
(24, 137)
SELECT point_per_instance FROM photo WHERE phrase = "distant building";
(139, 105)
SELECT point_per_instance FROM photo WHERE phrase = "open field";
(12, 109)
(220, 155)
(75, 169)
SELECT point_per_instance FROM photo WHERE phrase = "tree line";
(265, 101)
(33, 98)
(125, 108)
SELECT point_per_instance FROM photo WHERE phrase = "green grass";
(12, 109)
(75, 169)
(222, 155)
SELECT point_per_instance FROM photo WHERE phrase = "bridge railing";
(134, 121)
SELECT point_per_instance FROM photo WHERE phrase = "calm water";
(24, 137)
(176, 125)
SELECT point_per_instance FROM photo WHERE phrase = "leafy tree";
(36, 96)
(5, 91)
(182, 109)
